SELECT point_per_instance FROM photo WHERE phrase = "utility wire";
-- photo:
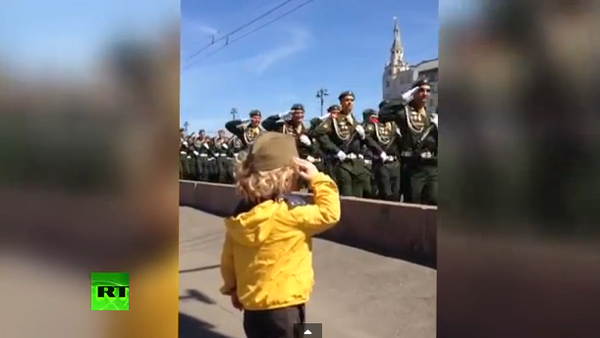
(236, 18)
(239, 28)
(229, 42)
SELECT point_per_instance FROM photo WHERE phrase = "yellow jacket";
(267, 257)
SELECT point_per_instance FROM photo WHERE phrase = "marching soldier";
(342, 138)
(292, 123)
(368, 153)
(235, 146)
(386, 171)
(183, 170)
(221, 161)
(247, 131)
(420, 140)
(319, 154)
(202, 152)
(186, 153)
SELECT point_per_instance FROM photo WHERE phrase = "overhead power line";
(226, 36)
(229, 42)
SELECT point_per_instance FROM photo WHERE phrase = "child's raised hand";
(307, 169)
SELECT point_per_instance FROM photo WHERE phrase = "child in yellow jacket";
(266, 262)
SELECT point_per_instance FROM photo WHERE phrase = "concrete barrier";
(393, 229)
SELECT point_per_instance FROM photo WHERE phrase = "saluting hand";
(307, 170)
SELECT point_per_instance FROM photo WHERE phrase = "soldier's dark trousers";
(405, 186)
(424, 183)
(192, 170)
(287, 322)
(352, 182)
(229, 178)
(202, 163)
(184, 167)
(213, 170)
(387, 176)
(222, 163)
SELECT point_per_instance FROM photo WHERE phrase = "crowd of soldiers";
(391, 155)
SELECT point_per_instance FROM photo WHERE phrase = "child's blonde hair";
(256, 186)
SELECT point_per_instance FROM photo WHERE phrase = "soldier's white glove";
(305, 140)
(361, 131)
(383, 156)
(225, 146)
(310, 159)
(185, 143)
(434, 119)
(285, 116)
(196, 153)
(409, 95)
(341, 155)
(205, 145)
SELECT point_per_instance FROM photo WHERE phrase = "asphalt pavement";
(357, 294)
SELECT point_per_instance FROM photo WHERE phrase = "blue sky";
(332, 44)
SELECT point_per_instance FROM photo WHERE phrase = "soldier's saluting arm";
(274, 122)
(236, 127)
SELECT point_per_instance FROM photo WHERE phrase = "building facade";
(398, 75)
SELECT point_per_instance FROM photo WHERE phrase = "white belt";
(182, 152)
(427, 154)
(367, 161)
(203, 155)
(406, 153)
(222, 154)
(361, 156)
(351, 156)
(189, 156)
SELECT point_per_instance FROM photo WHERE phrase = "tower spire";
(397, 44)
(397, 51)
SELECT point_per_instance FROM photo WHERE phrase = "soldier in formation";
(419, 142)
(391, 155)
(344, 141)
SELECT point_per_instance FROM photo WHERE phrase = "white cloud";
(206, 30)
(209, 77)
(298, 41)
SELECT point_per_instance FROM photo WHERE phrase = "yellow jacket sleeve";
(227, 267)
(326, 210)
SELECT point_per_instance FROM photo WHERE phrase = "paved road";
(357, 294)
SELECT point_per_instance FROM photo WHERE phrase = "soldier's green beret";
(333, 107)
(419, 83)
(297, 106)
(346, 93)
(255, 112)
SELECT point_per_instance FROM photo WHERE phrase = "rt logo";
(110, 291)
